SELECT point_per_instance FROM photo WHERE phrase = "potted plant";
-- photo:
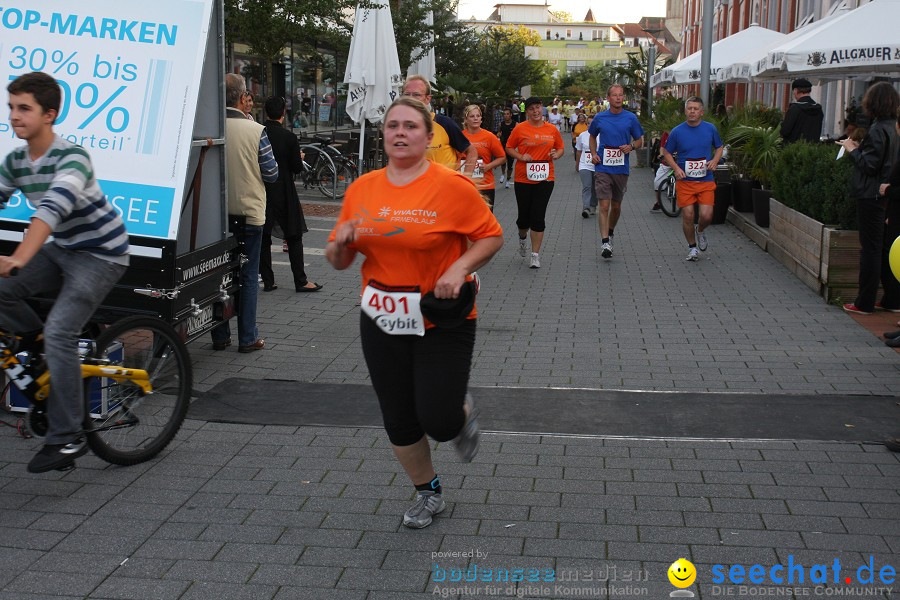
(760, 148)
(753, 115)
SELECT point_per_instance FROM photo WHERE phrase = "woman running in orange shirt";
(534, 144)
(489, 151)
(423, 229)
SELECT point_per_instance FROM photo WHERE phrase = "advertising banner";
(130, 75)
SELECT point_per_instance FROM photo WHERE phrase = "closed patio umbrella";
(373, 75)
(425, 65)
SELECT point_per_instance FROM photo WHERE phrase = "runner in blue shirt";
(617, 133)
(693, 141)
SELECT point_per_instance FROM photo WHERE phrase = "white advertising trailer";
(143, 93)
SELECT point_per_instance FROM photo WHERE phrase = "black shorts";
(421, 382)
(532, 200)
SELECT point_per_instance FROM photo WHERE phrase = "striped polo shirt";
(62, 187)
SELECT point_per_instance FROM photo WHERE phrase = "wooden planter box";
(840, 264)
(824, 258)
(795, 241)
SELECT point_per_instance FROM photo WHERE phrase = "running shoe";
(593, 210)
(606, 250)
(852, 308)
(506, 185)
(878, 306)
(427, 505)
(702, 242)
(522, 249)
(535, 261)
(693, 255)
(57, 456)
(466, 442)
(585, 214)
(610, 241)
(656, 207)
(502, 178)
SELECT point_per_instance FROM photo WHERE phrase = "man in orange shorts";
(698, 148)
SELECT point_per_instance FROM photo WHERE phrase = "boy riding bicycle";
(87, 256)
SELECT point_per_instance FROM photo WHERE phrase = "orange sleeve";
(470, 216)
(514, 138)
(496, 147)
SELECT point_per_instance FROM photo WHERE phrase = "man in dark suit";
(282, 203)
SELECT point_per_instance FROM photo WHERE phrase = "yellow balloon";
(894, 258)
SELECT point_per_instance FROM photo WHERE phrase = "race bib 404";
(538, 171)
(695, 168)
(394, 310)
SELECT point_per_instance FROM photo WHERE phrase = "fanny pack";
(447, 313)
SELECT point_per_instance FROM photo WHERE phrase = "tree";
(587, 82)
(450, 38)
(498, 61)
(632, 76)
(562, 16)
(267, 26)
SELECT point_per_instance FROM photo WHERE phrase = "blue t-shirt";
(695, 143)
(614, 130)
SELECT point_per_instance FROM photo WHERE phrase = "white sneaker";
(535, 261)
(606, 250)
(702, 242)
(593, 210)
(522, 250)
(693, 255)
(506, 185)
(502, 178)
(610, 241)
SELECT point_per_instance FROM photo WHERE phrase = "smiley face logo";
(682, 573)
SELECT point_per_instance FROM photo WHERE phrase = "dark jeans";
(295, 256)
(420, 382)
(82, 281)
(871, 213)
(251, 237)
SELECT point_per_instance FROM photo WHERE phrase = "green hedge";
(808, 179)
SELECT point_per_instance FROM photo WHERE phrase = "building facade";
(731, 16)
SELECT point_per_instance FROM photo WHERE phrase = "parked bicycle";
(668, 200)
(137, 386)
(325, 168)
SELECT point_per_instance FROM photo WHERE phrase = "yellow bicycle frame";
(139, 377)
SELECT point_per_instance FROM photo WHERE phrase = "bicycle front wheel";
(123, 424)
(668, 198)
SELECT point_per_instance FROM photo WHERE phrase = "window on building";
(574, 65)
(548, 34)
(568, 33)
(595, 35)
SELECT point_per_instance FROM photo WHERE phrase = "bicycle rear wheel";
(668, 198)
(127, 426)
(325, 178)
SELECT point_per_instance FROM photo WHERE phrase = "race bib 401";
(395, 311)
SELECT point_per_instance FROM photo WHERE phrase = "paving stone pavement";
(273, 512)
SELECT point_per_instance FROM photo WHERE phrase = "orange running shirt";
(489, 149)
(536, 141)
(411, 234)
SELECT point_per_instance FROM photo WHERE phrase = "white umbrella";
(861, 42)
(425, 65)
(739, 70)
(724, 53)
(373, 75)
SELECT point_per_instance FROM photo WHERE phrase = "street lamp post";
(651, 68)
